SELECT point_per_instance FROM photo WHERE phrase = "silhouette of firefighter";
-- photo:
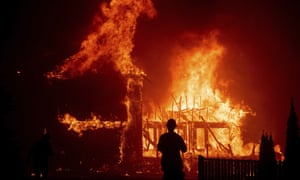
(39, 156)
(171, 145)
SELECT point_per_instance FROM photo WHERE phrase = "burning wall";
(111, 42)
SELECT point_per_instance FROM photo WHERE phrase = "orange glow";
(88, 124)
(209, 122)
(194, 100)
(110, 41)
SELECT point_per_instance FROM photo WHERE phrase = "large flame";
(193, 73)
(206, 119)
(111, 40)
(194, 95)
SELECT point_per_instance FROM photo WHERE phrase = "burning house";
(207, 120)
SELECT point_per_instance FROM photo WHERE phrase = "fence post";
(200, 167)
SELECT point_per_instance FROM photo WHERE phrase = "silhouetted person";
(39, 154)
(171, 145)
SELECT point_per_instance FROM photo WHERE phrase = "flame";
(194, 98)
(111, 40)
(89, 124)
(193, 73)
(193, 70)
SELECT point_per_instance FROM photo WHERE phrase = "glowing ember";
(89, 124)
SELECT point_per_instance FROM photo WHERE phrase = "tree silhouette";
(267, 158)
(292, 148)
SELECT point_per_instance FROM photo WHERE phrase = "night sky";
(262, 62)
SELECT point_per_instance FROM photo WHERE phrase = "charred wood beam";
(148, 138)
(228, 149)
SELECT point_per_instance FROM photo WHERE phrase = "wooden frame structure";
(189, 122)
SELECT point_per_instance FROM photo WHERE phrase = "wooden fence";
(232, 169)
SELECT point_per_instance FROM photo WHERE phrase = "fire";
(205, 116)
(88, 124)
(193, 76)
(209, 122)
(111, 40)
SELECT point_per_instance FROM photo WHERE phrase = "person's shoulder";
(164, 134)
(177, 135)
